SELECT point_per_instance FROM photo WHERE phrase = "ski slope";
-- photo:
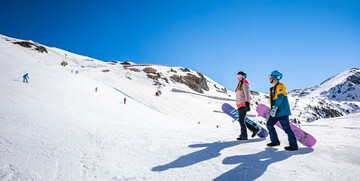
(57, 127)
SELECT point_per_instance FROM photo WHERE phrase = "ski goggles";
(277, 78)
(239, 76)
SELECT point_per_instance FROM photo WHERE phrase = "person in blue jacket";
(280, 111)
(26, 77)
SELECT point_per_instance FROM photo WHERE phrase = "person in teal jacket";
(26, 77)
(280, 111)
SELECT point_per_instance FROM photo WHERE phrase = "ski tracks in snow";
(13, 173)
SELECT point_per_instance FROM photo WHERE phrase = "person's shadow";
(212, 150)
(253, 166)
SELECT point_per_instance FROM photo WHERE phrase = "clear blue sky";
(308, 41)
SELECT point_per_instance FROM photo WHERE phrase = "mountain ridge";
(149, 78)
(344, 86)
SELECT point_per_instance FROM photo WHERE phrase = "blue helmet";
(276, 75)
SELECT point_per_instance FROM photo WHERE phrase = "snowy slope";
(141, 85)
(341, 87)
(58, 128)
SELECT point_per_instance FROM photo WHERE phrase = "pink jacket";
(244, 95)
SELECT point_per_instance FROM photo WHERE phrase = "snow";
(344, 86)
(57, 127)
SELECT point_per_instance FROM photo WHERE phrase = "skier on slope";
(26, 77)
(280, 111)
(243, 104)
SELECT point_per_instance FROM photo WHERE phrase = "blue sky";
(308, 41)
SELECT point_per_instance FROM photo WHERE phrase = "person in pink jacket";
(243, 104)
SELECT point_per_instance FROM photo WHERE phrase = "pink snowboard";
(303, 137)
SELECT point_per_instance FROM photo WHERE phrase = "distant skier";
(26, 77)
(243, 104)
(125, 100)
(280, 111)
(95, 89)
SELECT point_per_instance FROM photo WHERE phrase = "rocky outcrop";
(134, 69)
(196, 83)
(185, 69)
(152, 73)
(326, 112)
(150, 70)
(27, 44)
(125, 63)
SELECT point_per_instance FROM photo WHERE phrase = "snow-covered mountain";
(141, 81)
(57, 127)
(337, 96)
(341, 87)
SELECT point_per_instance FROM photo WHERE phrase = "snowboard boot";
(291, 148)
(255, 133)
(242, 139)
(273, 144)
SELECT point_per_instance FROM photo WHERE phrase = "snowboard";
(303, 137)
(229, 110)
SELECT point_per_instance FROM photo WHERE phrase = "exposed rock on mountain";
(28, 44)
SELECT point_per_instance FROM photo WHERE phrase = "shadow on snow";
(250, 167)
(253, 166)
(212, 150)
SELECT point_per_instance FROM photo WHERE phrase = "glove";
(247, 106)
(273, 111)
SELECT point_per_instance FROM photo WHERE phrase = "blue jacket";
(26, 76)
(278, 97)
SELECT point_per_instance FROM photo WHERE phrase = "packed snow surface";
(56, 127)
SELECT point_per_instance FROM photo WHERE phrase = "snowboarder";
(243, 104)
(280, 111)
(125, 100)
(26, 77)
